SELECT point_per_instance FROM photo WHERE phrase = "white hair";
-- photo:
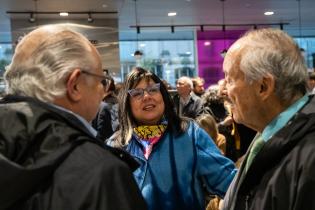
(187, 80)
(272, 51)
(42, 71)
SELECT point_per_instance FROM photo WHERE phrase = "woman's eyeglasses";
(138, 93)
(104, 78)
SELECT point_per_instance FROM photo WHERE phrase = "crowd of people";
(70, 138)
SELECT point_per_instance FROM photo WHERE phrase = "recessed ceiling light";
(170, 14)
(64, 14)
(142, 45)
(104, 5)
(269, 13)
(207, 43)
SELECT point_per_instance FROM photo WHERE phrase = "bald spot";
(45, 36)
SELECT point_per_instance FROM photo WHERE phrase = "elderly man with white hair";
(186, 102)
(266, 83)
(49, 156)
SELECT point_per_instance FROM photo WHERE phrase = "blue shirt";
(283, 118)
(84, 122)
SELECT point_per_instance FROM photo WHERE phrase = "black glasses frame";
(103, 77)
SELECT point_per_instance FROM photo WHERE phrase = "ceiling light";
(269, 13)
(32, 18)
(104, 5)
(64, 14)
(142, 45)
(90, 19)
(207, 43)
(171, 14)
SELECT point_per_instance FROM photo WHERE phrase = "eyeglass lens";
(138, 93)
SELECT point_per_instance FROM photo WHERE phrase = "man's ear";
(73, 89)
(267, 86)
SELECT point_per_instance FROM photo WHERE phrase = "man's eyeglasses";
(104, 78)
(138, 93)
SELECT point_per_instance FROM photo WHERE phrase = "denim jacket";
(180, 168)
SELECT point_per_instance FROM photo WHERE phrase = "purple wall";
(209, 58)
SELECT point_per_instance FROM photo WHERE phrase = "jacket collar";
(279, 145)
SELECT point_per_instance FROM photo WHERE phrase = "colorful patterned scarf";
(148, 135)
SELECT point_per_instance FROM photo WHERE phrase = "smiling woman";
(166, 147)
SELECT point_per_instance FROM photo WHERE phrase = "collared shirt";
(281, 120)
(183, 102)
(85, 123)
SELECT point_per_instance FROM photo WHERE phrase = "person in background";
(187, 104)
(49, 156)
(177, 158)
(214, 103)
(167, 85)
(208, 123)
(311, 82)
(106, 120)
(198, 84)
(266, 82)
(106, 72)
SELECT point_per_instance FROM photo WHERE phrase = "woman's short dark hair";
(127, 121)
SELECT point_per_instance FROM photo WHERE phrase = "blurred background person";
(208, 123)
(178, 159)
(187, 104)
(106, 120)
(215, 104)
(198, 84)
(311, 82)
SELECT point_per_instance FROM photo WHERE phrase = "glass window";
(308, 44)
(5, 59)
(169, 59)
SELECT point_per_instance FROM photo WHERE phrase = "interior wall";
(210, 44)
(103, 33)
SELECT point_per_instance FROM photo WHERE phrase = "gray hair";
(44, 59)
(272, 51)
(187, 80)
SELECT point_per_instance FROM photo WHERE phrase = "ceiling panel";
(194, 12)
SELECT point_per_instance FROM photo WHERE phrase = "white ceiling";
(189, 12)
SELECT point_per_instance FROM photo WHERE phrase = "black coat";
(49, 160)
(282, 175)
(106, 121)
(193, 109)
